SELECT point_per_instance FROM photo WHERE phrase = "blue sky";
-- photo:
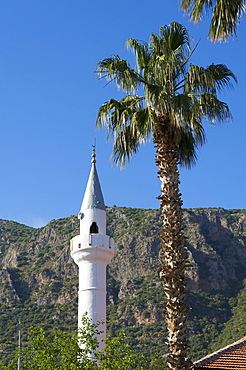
(49, 98)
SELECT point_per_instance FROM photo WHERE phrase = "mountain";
(40, 279)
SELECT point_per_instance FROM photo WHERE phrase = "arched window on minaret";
(94, 228)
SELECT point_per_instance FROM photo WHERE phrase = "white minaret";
(92, 251)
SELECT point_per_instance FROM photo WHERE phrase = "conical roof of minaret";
(93, 197)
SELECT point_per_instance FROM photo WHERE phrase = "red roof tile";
(227, 358)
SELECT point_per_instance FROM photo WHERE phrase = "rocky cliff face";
(37, 272)
(35, 258)
(216, 240)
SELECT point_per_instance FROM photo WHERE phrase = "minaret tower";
(92, 251)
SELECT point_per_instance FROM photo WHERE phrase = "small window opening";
(94, 228)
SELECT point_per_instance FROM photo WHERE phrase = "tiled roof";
(230, 357)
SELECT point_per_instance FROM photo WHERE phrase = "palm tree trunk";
(173, 252)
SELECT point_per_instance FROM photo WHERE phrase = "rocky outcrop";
(217, 242)
(34, 258)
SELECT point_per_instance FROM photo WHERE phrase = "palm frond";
(181, 104)
(226, 15)
(187, 149)
(222, 76)
(186, 108)
(129, 138)
(196, 8)
(170, 54)
(125, 145)
(126, 117)
(158, 97)
(212, 109)
(175, 35)
(116, 113)
(199, 80)
(191, 130)
(144, 119)
(211, 79)
(141, 51)
(118, 70)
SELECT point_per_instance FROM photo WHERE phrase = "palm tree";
(226, 15)
(175, 98)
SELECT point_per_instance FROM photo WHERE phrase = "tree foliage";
(58, 350)
(226, 15)
(172, 90)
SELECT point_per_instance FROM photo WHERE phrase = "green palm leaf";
(118, 70)
(226, 15)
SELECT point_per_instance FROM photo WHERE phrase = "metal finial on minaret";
(93, 156)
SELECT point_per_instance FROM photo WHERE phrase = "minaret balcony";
(92, 246)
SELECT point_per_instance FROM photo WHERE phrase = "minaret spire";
(92, 251)
(93, 197)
